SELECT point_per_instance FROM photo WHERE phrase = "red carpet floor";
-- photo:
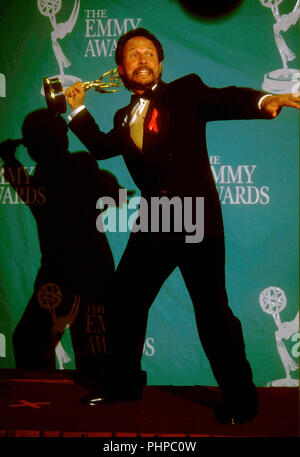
(36, 404)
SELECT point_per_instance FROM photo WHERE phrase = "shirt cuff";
(75, 111)
(262, 98)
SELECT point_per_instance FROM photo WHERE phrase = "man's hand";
(75, 95)
(272, 105)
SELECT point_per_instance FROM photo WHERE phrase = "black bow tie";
(146, 96)
(149, 94)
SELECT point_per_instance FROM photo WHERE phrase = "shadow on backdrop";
(76, 260)
(210, 10)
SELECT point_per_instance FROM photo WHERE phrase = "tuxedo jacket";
(174, 160)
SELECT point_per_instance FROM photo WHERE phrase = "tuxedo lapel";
(122, 122)
(156, 123)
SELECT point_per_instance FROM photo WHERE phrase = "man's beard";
(133, 85)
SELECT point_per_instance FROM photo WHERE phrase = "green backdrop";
(255, 164)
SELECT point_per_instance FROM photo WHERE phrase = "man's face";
(141, 67)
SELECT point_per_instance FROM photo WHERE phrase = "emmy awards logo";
(283, 80)
(272, 301)
(50, 8)
(49, 297)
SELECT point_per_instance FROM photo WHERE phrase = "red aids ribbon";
(153, 124)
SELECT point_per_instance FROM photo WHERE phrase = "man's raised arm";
(101, 145)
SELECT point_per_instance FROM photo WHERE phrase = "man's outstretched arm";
(233, 102)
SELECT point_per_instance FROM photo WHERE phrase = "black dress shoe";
(98, 399)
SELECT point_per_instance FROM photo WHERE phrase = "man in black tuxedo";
(161, 135)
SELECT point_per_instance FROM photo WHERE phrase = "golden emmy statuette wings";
(55, 94)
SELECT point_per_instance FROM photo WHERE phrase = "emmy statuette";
(55, 94)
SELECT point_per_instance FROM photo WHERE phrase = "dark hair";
(133, 33)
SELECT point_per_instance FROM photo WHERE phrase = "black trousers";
(147, 262)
